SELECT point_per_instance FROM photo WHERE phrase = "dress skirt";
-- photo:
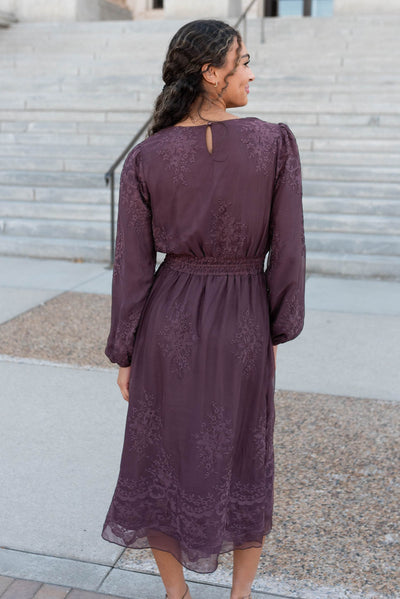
(197, 467)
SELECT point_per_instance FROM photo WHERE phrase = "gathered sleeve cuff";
(134, 263)
(286, 266)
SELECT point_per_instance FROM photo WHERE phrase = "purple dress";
(197, 467)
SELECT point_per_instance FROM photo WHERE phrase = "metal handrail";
(109, 177)
(110, 174)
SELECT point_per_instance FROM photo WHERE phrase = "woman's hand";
(275, 348)
(123, 381)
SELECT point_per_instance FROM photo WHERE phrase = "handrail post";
(262, 22)
(109, 177)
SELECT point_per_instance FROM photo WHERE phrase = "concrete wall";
(198, 9)
(358, 7)
(139, 7)
(64, 10)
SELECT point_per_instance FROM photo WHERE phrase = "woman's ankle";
(179, 593)
(240, 594)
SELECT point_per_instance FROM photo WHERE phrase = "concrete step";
(352, 223)
(78, 139)
(55, 164)
(63, 151)
(361, 159)
(354, 189)
(53, 179)
(357, 145)
(329, 263)
(55, 194)
(337, 173)
(45, 247)
(359, 206)
(105, 128)
(353, 243)
(60, 211)
(55, 229)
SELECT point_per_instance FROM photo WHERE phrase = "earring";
(215, 84)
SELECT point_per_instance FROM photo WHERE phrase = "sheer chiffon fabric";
(197, 467)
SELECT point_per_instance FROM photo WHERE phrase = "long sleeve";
(135, 260)
(285, 273)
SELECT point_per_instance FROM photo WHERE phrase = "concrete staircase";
(74, 94)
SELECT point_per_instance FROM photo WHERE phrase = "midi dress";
(196, 475)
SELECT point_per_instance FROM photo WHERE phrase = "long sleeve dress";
(197, 467)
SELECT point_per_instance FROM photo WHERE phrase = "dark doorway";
(307, 8)
(271, 8)
(158, 4)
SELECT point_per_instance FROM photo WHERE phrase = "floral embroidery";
(293, 315)
(202, 518)
(125, 333)
(257, 441)
(229, 237)
(165, 241)
(248, 342)
(176, 339)
(289, 166)
(119, 252)
(214, 441)
(138, 213)
(260, 140)
(291, 174)
(144, 425)
(179, 151)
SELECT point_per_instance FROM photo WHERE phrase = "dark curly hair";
(194, 44)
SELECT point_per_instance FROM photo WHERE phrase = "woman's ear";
(209, 74)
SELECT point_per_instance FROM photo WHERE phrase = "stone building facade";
(81, 10)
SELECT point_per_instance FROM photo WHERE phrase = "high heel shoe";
(187, 588)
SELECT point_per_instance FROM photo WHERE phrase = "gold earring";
(215, 84)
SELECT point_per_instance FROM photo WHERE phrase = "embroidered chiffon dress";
(197, 467)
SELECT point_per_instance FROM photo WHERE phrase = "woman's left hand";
(123, 381)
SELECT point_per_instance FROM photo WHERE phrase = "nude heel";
(187, 588)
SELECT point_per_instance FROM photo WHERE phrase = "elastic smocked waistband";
(214, 265)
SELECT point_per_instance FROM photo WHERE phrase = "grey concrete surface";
(354, 296)
(14, 301)
(53, 570)
(28, 273)
(60, 471)
(343, 354)
(349, 345)
(99, 579)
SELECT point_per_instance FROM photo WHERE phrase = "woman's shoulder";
(274, 127)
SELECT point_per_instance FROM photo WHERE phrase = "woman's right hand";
(123, 381)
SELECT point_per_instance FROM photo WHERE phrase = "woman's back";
(214, 204)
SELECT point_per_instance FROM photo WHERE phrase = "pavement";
(52, 504)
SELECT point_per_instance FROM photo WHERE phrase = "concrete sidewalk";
(52, 504)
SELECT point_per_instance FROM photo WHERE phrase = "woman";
(196, 340)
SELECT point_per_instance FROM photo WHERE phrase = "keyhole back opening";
(209, 139)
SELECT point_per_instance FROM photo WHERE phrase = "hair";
(193, 45)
